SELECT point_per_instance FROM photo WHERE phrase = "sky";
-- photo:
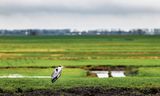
(79, 14)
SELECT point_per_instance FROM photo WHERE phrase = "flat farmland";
(80, 50)
(138, 56)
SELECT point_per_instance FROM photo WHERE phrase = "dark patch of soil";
(104, 68)
(89, 91)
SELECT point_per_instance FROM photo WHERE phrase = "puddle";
(118, 74)
(107, 74)
(100, 74)
(21, 76)
(110, 71)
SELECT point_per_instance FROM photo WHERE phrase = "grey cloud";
(105, 9)
(79, 13)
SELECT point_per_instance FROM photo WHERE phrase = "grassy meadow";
(36, 56)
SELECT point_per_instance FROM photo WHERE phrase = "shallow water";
(118, 74)
(21, 76)
(105, 74)
(101, 74)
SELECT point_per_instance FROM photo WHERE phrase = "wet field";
(88, 72)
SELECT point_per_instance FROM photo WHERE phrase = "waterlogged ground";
(76, 81)
(100, 72)
(87, 72)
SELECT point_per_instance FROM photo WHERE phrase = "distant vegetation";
(68, 32)
(80, 50)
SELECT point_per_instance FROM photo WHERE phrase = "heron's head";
(60, 66)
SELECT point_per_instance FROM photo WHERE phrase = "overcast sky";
(79, 14)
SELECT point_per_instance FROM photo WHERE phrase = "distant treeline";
(57, 32)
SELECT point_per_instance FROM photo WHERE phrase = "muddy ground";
(87, 91)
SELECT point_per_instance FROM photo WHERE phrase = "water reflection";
(107, 74)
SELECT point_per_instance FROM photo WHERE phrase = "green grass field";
(28, 54)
